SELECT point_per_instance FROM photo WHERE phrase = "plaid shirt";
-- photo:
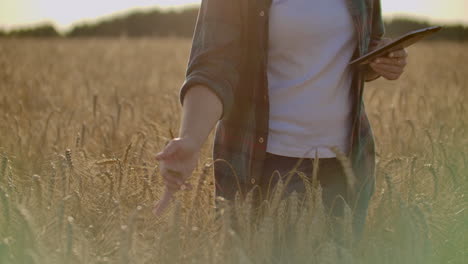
(229, 56)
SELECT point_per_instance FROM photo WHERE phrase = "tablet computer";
(399, 43)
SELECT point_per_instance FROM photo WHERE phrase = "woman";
(274, 78)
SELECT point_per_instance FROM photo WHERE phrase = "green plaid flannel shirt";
(229, 56)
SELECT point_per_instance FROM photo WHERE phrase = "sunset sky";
(63, 14)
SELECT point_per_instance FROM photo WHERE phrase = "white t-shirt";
(310, 45)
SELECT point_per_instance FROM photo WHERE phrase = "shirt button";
(260, 140)
(262, 13)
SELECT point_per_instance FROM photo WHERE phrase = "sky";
(65, 13)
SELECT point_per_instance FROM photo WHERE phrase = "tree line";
(157, 23)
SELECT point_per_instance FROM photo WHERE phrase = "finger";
(387, 75)
(179, 176)
(168, 152)
(387, 68)
(175, 173)
(401, 53)
(391, 76)
(175, 176)
(159, 208)
(169, 174)
(171, 179)
(162, 204)
(172, 186)
(391, 61)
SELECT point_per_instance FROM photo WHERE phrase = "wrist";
(194, 142)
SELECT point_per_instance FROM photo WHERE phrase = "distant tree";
(43, 31)
(181, 23)
(456, 33)
(142, 24)
(2, 33)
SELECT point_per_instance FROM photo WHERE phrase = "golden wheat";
(83, 119)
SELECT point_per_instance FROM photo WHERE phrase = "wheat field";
(81, 122)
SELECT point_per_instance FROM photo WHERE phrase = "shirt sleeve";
(377, 31)
(215, 55)
(378, 26)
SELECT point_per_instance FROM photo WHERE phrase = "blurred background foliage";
(158, 23)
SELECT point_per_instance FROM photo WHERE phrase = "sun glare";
(65, 13)
(448, 11)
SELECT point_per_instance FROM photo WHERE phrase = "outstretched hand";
(177, 161)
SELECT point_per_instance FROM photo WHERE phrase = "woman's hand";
(392, 66)
(177, 161)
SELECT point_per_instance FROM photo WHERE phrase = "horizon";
(46, 13)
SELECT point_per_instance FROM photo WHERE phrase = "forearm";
(201, 110)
